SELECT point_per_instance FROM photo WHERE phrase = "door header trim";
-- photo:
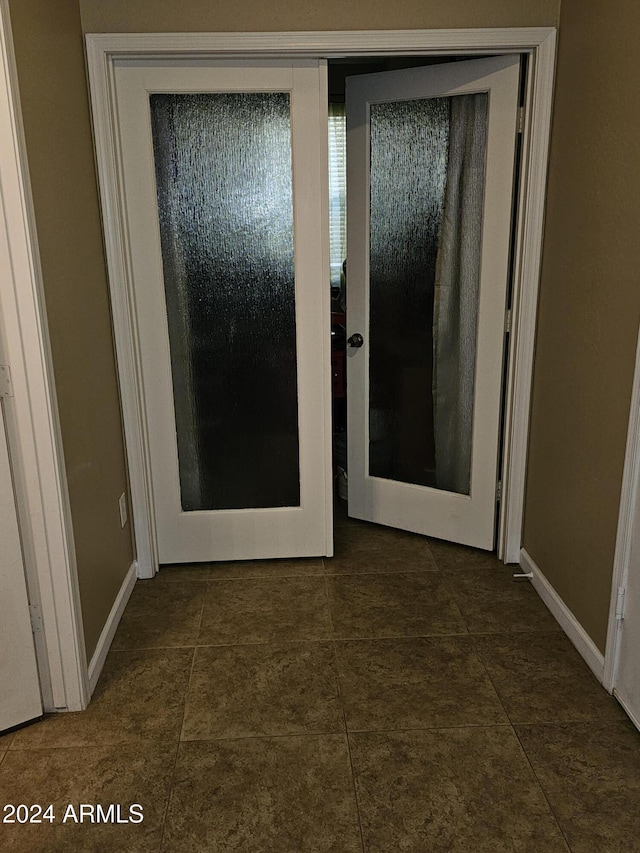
(325, 44)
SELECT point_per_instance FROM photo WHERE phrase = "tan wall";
(49, 54)
(256, 15)
(589, 309)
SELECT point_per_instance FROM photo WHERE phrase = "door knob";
(355, 340)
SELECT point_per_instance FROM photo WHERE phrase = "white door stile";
(540, 45)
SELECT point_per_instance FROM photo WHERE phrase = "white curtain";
(456, 293)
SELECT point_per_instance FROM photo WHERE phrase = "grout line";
(346, 732)
(328, 605)
(544, 793)
(491, 681)
(184, 712)
(265, 736)
(262, 736)
(139, 741)
(175, 762)
(433, 728)
(512, 725)
(328, 639)
(355, 786)
(199, 628)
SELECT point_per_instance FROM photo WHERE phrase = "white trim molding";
(593, 657)
(110, 626)
(524, 309)
(628, 516)
(539, 44)
(32, 416)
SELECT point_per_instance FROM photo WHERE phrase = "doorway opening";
(113, 57)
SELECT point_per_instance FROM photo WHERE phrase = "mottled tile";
(494, 602)
(5, 742)
(590, 773)
(290, 795)
(364, 548)
(140, 695)
(122, 775)
(415, 683)
(242, 569)
(262, 610)
(453, 557)
(392, 605)
(159, 616)
(542, 678)
(241, 691)
(465, 790)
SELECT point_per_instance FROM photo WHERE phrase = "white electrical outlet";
(122, 503)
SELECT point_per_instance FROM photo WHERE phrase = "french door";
(224, 168)
(224, 192)
(430, 172)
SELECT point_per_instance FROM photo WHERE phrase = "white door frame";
(538, 43)
(32, 418)
(628, 532)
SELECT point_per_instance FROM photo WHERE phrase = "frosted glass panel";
(420, 179)
(223, 174)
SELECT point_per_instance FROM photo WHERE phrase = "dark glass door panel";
(224, 187)
(426, 192)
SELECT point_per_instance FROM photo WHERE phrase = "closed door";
(224, 169)
(20, 694)
(430, 173)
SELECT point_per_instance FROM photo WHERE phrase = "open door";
(430, 173)
(224, 167)
(20, 694)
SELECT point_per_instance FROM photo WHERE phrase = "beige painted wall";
(49, 54)
(589, 309)
(256, 15)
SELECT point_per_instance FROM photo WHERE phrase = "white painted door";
(623, 640)
(627, 686)
(224, 168)
(20, 692)
(430, 173)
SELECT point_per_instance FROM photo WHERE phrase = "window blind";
(337, 190)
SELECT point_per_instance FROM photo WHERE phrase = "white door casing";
(468, 519)
(20, 694)
(241, 534)
(31, 417)
(538, 43)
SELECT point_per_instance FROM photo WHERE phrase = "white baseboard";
(568, 622)
(106, 637)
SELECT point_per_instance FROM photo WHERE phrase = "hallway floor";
(406, 695)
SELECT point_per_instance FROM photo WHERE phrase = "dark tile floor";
(406, 695)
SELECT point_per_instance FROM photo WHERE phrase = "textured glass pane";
(223, 174)
(417, 248)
